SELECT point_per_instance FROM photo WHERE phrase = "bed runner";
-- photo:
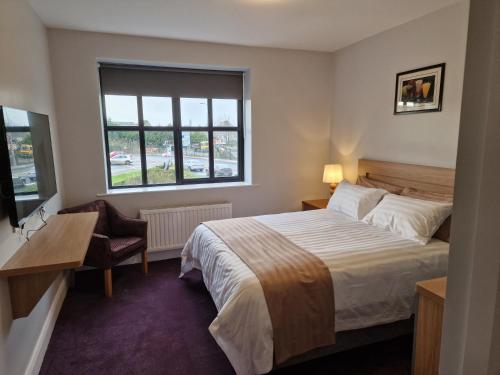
(297, 285)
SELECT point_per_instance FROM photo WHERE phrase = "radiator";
(170, 228)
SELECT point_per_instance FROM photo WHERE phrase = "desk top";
(61, 244)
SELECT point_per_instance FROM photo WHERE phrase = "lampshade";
(333, 173)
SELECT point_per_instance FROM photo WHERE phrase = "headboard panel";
(434, 179)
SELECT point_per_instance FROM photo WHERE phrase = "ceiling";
(319, 25)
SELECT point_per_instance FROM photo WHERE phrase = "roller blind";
(173, 82)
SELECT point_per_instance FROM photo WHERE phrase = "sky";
(158, 110)
(15, 117)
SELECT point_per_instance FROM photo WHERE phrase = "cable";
(41, 212)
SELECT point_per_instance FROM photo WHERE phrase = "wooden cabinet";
(314, 204)
(431, 297)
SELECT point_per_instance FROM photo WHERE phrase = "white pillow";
(354, 200)
(414, 219)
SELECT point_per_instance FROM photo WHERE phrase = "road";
(23, 170)
(158, 160)
(152, 160)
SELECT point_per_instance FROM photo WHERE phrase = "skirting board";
(153, 256)
(36, 359)
(162, 255)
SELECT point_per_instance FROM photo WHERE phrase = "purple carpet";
(157, 324)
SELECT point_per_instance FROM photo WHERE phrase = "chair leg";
(108, 282)
(72, 278)
(144, 256)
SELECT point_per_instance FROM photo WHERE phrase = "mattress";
(373, 270)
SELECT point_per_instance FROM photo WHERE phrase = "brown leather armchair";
(116, 238)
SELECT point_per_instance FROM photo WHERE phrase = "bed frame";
(422, 177)
(431, 179)
(347, 340)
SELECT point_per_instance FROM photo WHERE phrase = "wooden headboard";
(422, 177)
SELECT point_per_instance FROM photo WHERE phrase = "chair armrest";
(99, 252)
(99, 238)
(122, 225)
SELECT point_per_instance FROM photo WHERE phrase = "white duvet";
(373, 271)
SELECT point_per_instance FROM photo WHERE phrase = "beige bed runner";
(297, 285)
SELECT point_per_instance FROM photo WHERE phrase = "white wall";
(295, 95)
(471, 332)
(25, 82)
(364, 75)
(290, 118)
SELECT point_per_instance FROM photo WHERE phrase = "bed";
(373, 271)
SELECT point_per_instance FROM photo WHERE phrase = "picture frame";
(420, 90)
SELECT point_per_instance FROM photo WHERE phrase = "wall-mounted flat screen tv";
(27, 175)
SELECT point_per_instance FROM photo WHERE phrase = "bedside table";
(314, 204)
(432, 294)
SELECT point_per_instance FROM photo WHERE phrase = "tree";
(198, 137)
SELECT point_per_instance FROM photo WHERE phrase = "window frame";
(177, 130)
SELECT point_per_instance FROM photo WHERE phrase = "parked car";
(223, 172)
(17, 182)
(24, 179)
(29, 177)
(197, 167)
(120, 159)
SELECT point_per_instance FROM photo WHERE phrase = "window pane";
(226, 154)
(194, 112)
(124, 157)
(225, 112)
(160, 157)
(121, 110)
(195, 154)
(157, 111)
(22, 163)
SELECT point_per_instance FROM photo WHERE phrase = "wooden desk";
(314, 204)
(62, 244)
(432, 294)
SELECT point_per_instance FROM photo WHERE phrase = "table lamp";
(332, 175)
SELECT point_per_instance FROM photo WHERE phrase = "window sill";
(152, 189)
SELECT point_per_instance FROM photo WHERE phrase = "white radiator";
(170, 228)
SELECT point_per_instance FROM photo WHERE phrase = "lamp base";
(333, 186)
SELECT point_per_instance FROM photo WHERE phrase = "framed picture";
(419, 90)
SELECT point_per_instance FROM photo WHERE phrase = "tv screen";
(27, 174)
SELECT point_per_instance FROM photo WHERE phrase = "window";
(20, 146)
(171, 126)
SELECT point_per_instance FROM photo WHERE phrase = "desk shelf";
(60, 245)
